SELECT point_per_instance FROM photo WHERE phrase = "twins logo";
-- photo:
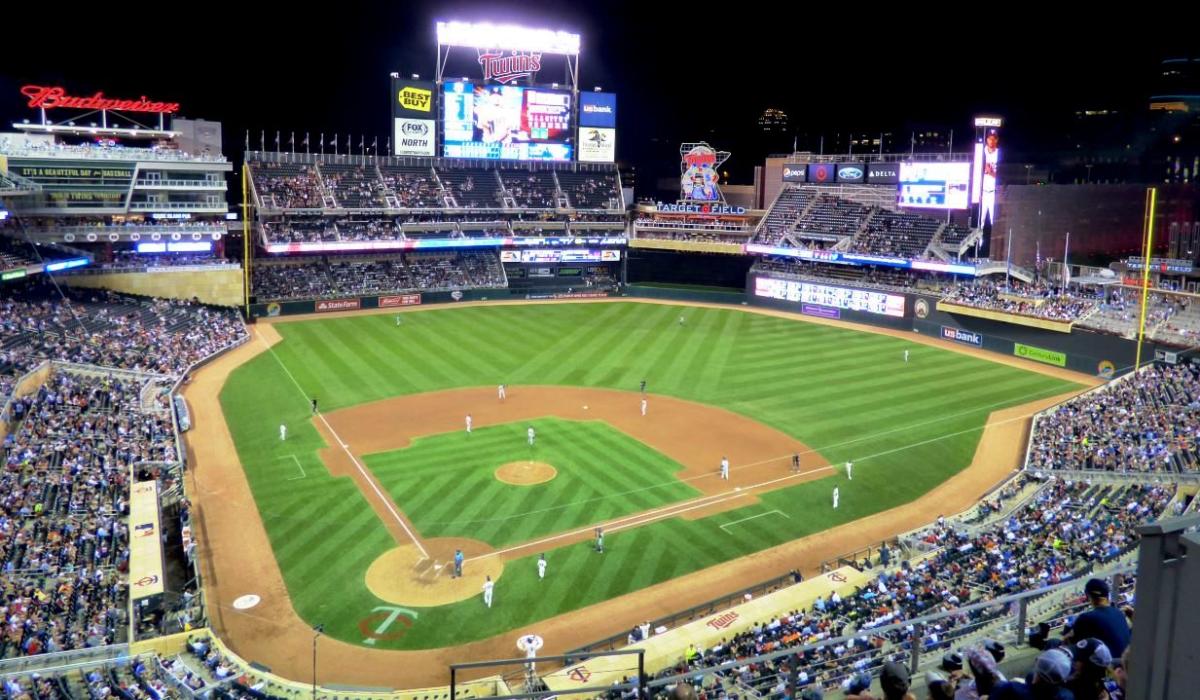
(385, 616)
(509, 68)
(722, 621)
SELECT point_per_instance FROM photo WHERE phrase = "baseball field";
(365, 503)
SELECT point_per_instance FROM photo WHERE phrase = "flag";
(247, 139)
(262, 140)
(276, 140)
(375, 145)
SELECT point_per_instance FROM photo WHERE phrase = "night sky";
(683, 71)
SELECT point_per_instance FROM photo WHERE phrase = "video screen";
(506, 122)
(934, 185)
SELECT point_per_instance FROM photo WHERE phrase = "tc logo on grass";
(385, 616)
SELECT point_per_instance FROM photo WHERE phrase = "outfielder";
(468, 423)
(501, 393)
(282, 432)
(643, 407)
(836, 495)
(906, 356)
(530, 434)
(397, 320)
(488, 585)
(725, 468)
(542, 566)
(850, 471)
(600, 540)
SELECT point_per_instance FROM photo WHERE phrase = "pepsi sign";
(794, 173)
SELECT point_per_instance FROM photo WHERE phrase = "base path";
(236, 557)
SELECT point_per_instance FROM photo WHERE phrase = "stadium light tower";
(486, 37)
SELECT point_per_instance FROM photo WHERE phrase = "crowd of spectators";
(317, 278)
(287, 186)
(1063, 530)
(1146, 422)
(1037, 301)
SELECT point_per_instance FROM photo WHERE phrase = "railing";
(145, 229)
(189, 184)
(121, 153)
(63, 660)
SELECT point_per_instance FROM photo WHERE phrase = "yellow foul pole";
(245, 242)
(1151, 201)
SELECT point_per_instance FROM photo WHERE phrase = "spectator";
(1103, 621)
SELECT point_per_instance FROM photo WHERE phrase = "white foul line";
(752, 517)
(649, 516)
(387, 502)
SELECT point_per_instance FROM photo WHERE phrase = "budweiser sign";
(508, 68)
(41, 97)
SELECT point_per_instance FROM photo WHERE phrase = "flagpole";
(1008, 261)
(1151, 202)
(1066, 264)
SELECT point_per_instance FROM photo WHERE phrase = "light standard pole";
(317, 631)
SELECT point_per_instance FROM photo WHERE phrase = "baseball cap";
(1053, 665)
(894, 679)
(996, 649)
(858, 683)
(981, 663)
(1096, 588)
(951, 661)
(1092, 651)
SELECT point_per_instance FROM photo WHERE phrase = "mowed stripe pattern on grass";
(446, 486)
(848, 394)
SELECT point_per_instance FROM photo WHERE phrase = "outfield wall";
(403, 299)
(1085, 351)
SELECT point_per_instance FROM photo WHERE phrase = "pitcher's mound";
(526, 473)
(402, 576)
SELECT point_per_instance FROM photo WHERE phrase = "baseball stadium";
(454, 413)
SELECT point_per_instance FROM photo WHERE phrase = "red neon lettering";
(51, 97)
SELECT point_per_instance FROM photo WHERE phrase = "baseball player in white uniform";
(500, 392)
(906, 356)
(488, 585)
(725, 468)
(644, 407)
(530, 434)
(850, 471)
(282, 431)
(542, 566)
(836, 495)
(468, 422)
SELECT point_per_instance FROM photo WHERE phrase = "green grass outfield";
(848, 394)
(446, 486)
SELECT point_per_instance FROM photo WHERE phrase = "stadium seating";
(472, 188)
(791, 203)
(896, 234)
(531, 189)
(315, 278)
(1146, 422)
(287, 186)
(354, 186)
(1037, 301)
(413, 187)
(587, 190)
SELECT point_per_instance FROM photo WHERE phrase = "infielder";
(643, 386)
(500, 392)
(488, 585)
(796, 463)
(600, 540)
(458, 562)
(314, 405)
(542, 566)
(530, 434)
(282, 432)
(725, 468)
(643, 407)
(850, 471)
(836, 495)
(468, 423)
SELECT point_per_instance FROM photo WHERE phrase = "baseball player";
(643, 407)
(397, 320)
(530, 434)
(850, 471)
(600, 540)
(458, 562)
(836, 494)
(725, 468)
(542, 566)
(314, 405)
(468, 423)
(681, 320)
(500, 392)
(796, 463)
(488, 585)
(643, 386)
(906, 357)
(282, 432)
